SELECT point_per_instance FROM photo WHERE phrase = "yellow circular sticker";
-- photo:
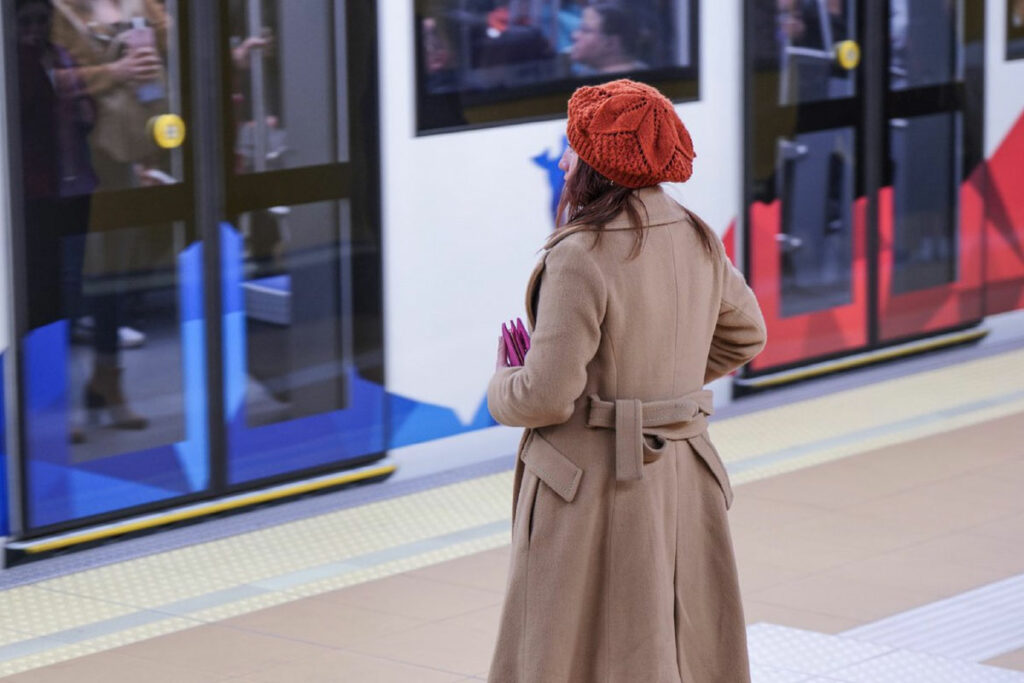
(168, 130)
(848, 54)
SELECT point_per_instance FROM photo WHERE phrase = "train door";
(864, 202)
(197, 263)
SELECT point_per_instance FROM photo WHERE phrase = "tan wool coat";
(622, 565)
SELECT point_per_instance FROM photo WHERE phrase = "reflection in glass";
(926, 162)
(284, 82)
(111, 58)
(105, 291)
(815, 184)
(798, 38)
(126, 362)
(924, 43)
(297, 289)
(484, 45)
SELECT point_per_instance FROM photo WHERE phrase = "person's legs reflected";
(104, 390)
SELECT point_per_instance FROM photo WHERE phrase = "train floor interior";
(878, 524)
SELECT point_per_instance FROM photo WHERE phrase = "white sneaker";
(130, 338)
(127, 337)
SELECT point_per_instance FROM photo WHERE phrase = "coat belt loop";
(629, 440)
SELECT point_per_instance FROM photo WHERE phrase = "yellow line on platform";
(203, 510)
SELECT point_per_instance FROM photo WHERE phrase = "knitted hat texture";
(630, 133)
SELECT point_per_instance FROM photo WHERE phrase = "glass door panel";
(300, 256)
(805, 221)
(806, 37)
(112, 352)
(930, 208)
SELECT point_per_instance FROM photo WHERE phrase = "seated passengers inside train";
(485, 45)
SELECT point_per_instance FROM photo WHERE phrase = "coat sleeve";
(740, 331)
(570, 310)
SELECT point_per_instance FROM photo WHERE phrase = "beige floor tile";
(463, 644)
(755, 512)
(486, 571)
(107, 667)
(901, 467)
(793, 552)
(928, 510)
(414, 597)
(756, 612)
(972, 550)
(1009, 660)
(322, 622)
(349, 667)
(980, 489)
(755, 575)
(908, 569)
(841, 597)
(855, 531)
(1011, 470)
(1010, 528)
(219, 650)
(830, 486)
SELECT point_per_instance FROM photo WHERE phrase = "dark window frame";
(1014, 35)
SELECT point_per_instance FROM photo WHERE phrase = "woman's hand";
(502, 361)
(138, 66)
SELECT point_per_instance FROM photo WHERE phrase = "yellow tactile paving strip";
(148, 588)
(973, 392)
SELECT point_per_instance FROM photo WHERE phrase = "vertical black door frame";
(875, 48)
(18, 312)
(206, 78)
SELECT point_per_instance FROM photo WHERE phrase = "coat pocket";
(558, 472)
(707, 452)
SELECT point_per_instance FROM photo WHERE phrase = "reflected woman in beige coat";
(622, 566)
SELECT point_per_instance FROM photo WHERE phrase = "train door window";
(1015, 29)
(926, 163)
(930, 224)
(498, 61)
(815, 183)
(924, 41)
(805, 223)
(112, 360)
(285, 110)
(805, 37)
(300, 253)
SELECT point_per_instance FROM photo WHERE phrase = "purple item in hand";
(517, 341)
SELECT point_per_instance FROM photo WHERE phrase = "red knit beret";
(630, 133)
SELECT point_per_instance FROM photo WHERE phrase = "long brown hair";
(593, 200)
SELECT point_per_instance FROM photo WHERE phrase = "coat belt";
(633, 420)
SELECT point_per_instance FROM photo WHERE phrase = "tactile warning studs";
(40, 612)
(767, 674)
(902, 666)
(778, 650)
(806, 652)
(804, 433)
(973, 626)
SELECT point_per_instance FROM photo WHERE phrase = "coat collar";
(661, 210)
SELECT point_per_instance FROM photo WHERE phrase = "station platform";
(878, 525)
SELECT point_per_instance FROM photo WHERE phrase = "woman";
(622, 565)
(118, 48)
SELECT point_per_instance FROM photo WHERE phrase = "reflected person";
(119, 49)
(57, 116)
(607, 41)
